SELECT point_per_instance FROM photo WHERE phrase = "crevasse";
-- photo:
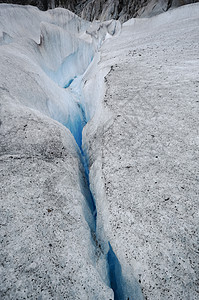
(64, 57)
(114, 268)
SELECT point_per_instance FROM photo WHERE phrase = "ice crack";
(113, 264)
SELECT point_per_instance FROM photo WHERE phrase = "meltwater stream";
(72, 111)
(114, 268)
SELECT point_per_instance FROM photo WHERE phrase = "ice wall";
(56, 47)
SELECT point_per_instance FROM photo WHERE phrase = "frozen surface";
(94, 215)
(148, 152)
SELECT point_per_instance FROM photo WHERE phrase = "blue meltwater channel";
(113, 264)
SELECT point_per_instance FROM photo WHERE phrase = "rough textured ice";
(147, 154)
(141, 142)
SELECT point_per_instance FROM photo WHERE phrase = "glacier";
(73, 117)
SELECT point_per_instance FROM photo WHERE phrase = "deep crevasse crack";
(116, 281)
(58, 60)
(78, 117)
(113, 265)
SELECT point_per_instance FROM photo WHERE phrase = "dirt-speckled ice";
(99, 156)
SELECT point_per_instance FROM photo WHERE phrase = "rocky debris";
(107, 9)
